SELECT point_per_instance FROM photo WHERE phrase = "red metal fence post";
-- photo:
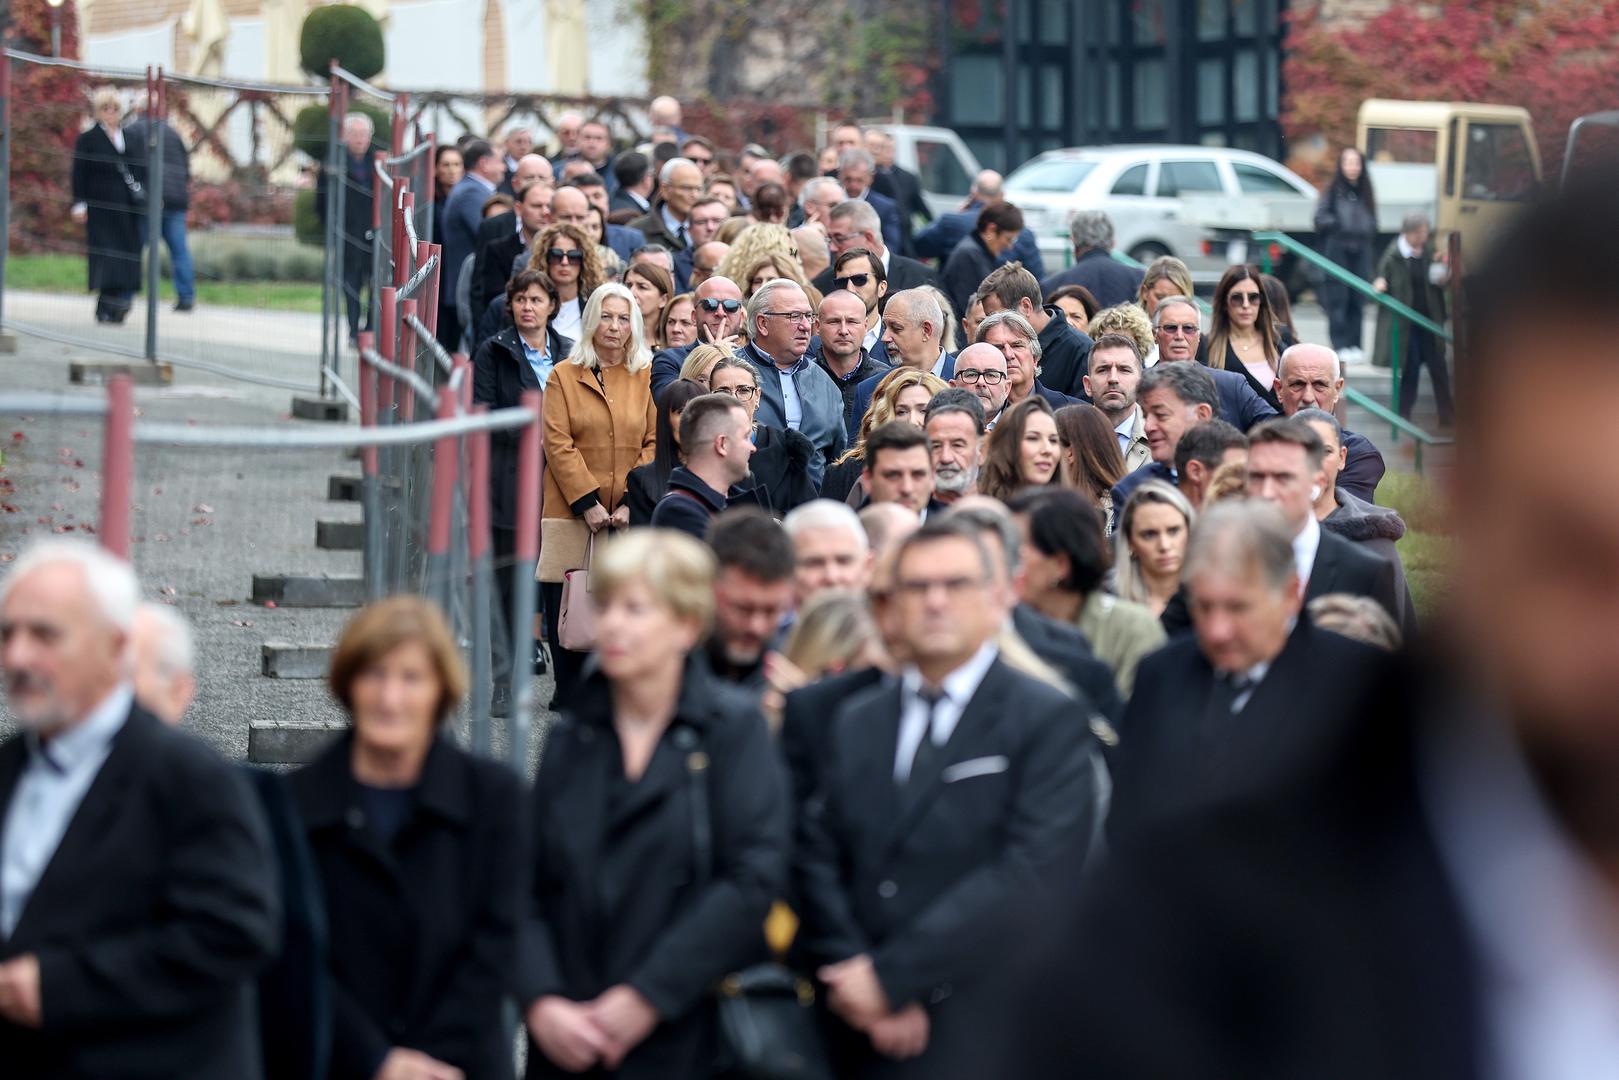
(118, 465)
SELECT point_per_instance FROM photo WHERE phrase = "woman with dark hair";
(650, 482)
(677, 322)
(1346, 222)
(417, 844)
(1281, 308)
(1077, 305)
(569, 258)
(1023, 450)
(1091, 461)
(652, 286)
(448, 169)
(517, 359)
(1243, 335)
(1066, 559)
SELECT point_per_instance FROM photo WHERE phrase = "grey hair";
(1191, 382)
(667, 173)
(1359, 618)
(919, 304)
(515, 129)
(1322, 416)
(1281, 362)
(986, 519)
(1091, 229)
(861, 214)
(807, 192)
(1242, 533)
(1170, 301)
(826, 514)
(174, 647)
(109, 580)
(761, 300)
(357, 117)
(947, 333)
(1020, 326)
(857, 156)
(1416, 219)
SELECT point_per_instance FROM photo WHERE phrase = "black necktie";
(925, 760)
(1223, 696)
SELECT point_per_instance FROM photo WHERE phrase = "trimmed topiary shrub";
(309, 128)
(341, 32)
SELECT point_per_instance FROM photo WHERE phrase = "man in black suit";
(137, 887)
(1109, 280)
(633, 171)
(504, 238)
(944, 796)
(1285, 467)
(1064, 352)
(898, 183)
(1235, 702)
(856, 170)
(680, 183)
(855, 224)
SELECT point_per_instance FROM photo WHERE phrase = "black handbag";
(767, 1024)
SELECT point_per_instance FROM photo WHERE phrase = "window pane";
(1152, 100)
(1149, 22)
(1025, 96)
(1245, 14)
(1253, 180)
(1056, 174)
(941, 171)
(1051, 96)
(1132, 181)
(1054, 20)
(1211, 19)
(1211, 91)
(1181, 177)
(1115, 96)
(1498, 167)
(1245, 88)
(975, 90)
(1402, 145)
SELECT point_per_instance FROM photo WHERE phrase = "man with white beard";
(954, 423)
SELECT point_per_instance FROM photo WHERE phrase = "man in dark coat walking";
(979, 253)
(354, 231)
(1109, 280)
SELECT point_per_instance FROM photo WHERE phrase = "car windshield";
(1053, 175)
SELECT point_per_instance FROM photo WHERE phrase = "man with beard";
(753, 591)
(954, 423)
(1111, 383)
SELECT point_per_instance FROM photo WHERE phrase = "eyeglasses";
(920, 587)
(557, 255)
(988, 378)
(1184, 329)
(794, 316)
(710, 305)
(741, 393)
(699, 161)
(857, 280)
(1244, 299)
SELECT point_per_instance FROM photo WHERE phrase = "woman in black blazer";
(648, 483)
(109, 201)
(629, 931)
(501, 371)
(419, 850)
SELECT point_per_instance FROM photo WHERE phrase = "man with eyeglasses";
(981, 369)
(843, 352)
(944, 795)
(719, 322)
(703, 223)
(1064, 351)
(1020, 346)
(854, 224)
(795, 392)
(1175, 324)
(913, 330)
(680, 183)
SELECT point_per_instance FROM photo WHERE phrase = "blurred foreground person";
(660, 833)
(294, 999)
(137, 894)
(1431, 892)
(418, 844)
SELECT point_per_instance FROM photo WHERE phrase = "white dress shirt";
(873, 335)
(1305, 545)
(958, 689)
(1126, 430)
(1541, 921)
(47, 796)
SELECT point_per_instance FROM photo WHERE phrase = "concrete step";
(290, 742)
(283, 660)
(305, 590)
(340, 535)
(343, 488)
(325, 410)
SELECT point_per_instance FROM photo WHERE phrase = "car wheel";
(1144, 253)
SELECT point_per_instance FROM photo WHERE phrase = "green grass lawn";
(65, 273)
(1425, 549)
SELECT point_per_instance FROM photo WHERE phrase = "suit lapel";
(1324, 574)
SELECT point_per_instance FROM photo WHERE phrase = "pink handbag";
(576, 624)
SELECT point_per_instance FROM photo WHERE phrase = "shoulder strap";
(687, 741)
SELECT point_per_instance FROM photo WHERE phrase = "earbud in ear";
(1315, 492)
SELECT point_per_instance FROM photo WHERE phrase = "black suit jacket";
(806, 725)
(903, 273)
(498, 246)
(1065, 648)
(152, 920)
(1308, 929)
(617, 896)
(423, 931)
(1181, 750)
(922, 877)
(500, 374)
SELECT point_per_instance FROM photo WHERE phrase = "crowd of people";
(970, 683)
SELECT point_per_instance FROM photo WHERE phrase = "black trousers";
(357, 278)
(566, 665)
(1425, 351)
(1343, 304)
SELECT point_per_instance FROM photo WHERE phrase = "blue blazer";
(938, 240)
(1239, 405)
(867, 387)
(463, 213)
(624, 240)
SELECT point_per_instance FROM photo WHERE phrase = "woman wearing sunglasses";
(566, 255)
(1244, 336)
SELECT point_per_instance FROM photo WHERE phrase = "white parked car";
(1151, 194)
(940, 160)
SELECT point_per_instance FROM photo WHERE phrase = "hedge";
(344, 33)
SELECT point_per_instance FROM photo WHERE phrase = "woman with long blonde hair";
(903, 394)
(751, 246)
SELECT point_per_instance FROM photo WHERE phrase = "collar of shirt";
(1305, 545)
(1539, 917)
(957, 689)
(885, 257)
(1406, 250)
(938, 365)
(798, 365)
(88, 740)
(873, 335)
(1126, 431)
(484, 180)
(638, 201)
(538, 359)
(671, 224)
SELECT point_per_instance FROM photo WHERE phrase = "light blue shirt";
(47, 796)
(538, 359)
(792, 406)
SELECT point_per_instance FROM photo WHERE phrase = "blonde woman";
(108, 202)
(835, 631)
(752, 246)
(600, 423)
(699, 363)
(903, 394)
(1133, 323)
(1164, 277)
(1150, 544)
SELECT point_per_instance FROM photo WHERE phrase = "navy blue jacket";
(1239, 405)
(463, 214)
(888, 214)
(666, 365)
(1363, 467)
(1065, 355)
(1126, 487)
(938, 240)
(1109, 280)
(689, 504)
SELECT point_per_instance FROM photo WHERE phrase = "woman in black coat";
(648, 483)
(109, 201)
(630, 928)
(502, 371)
(419, 847)
(1346, 222)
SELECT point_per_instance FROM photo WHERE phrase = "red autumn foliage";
(1556, 58)
(48, 109)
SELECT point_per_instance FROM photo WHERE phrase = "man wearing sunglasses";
(1175, 325)
(719, 322)
(795, 393)
(861, 272)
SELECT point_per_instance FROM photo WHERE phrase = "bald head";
(1308, 377)
(886, 525)
(531, 167)
(987, 184)
(570, 207)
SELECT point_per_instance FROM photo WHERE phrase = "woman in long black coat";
(108, 171)
(419, 847)
(501, 372)
(630, 929)
(1346, 223)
